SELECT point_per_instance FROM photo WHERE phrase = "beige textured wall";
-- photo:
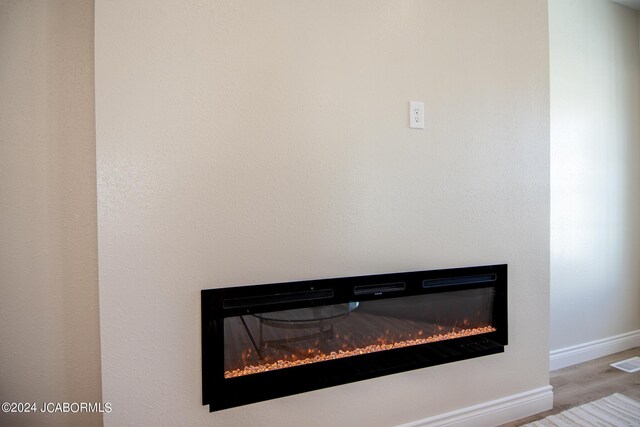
(595, 178)
(49, 330)
(257, 141)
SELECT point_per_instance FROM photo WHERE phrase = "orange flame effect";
(380, 346)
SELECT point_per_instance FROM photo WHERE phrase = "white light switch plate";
(416, 115)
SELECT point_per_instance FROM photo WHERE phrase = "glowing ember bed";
(267, 341)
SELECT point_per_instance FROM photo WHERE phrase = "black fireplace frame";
(221, 393)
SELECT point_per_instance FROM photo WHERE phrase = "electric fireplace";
(266, 341)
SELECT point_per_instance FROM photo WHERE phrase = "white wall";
(264, 141)
(49, 332)
(595, 181)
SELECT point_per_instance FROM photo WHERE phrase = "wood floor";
(583, 383)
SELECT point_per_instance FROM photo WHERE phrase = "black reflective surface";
(282, 339)
(266, 341)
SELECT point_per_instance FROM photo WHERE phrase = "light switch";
(416, 115)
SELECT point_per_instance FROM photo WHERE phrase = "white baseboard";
(493, 413)
(592, 350)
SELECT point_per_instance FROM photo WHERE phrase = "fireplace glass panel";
(260, 342)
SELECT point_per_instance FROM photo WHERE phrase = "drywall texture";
(595, 185)
(49, 331)
(265, 141)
